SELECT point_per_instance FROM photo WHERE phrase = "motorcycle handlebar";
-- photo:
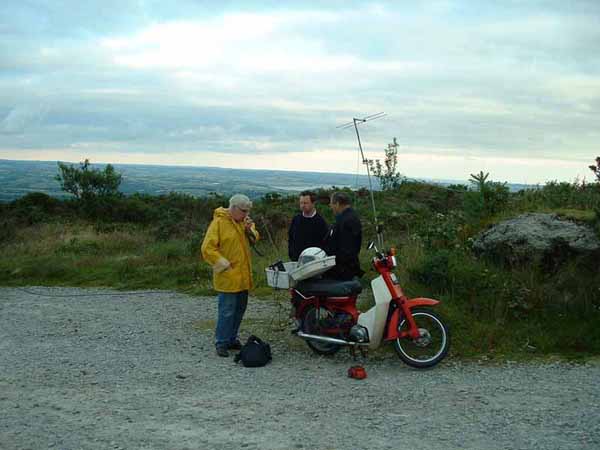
(381, 254)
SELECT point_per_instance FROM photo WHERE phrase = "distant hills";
(18, 178)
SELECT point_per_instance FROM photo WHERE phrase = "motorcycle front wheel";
(430, 347)
(310, 325)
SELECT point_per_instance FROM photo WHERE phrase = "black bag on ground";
(254, 353)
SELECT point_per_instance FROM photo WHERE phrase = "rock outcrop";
(540, 239)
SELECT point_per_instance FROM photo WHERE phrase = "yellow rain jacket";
(227, 250)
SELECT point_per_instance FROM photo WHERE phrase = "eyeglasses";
(245, 211)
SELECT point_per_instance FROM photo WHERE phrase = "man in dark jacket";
(308, 228)
(344, 239)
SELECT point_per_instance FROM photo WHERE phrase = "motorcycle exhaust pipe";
(327, 340)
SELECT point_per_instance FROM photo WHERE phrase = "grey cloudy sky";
(508, 87)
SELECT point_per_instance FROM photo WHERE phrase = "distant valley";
(18, 178)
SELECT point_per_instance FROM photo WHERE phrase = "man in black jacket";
(308, 228)
(344, 239)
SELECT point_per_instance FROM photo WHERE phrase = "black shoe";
(222, 351)
(235, 345)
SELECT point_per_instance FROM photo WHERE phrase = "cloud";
(508, 79)
(22, 118)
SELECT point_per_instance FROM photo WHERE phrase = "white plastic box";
(279, 279)
(285, 280)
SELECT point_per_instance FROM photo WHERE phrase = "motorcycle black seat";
(325, 287)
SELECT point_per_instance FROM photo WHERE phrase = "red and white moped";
(327, 317)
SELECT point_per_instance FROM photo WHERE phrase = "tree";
(596, 168)
(84, 182)
(387, 174)
(488, 198)
(480, 180)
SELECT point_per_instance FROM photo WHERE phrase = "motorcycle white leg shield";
(375, 318)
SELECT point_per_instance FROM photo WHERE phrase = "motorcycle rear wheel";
(310, 326)
(431, 347)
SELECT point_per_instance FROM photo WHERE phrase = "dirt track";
(88, 371)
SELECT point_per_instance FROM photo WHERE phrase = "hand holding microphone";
(248, 222)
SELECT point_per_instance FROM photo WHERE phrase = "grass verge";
(80, 255)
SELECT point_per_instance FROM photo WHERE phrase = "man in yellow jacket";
(226, 248)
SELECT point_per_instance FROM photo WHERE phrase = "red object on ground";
(357, 372)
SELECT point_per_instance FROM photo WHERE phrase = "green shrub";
(170, 226)
(433, 270)
(8, 230)
(443, 230)
(35, 207)
(597, 218)
(134, 209)
(491, 199)
(39, 200)
(86, 183)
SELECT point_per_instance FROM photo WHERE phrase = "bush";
(134, 209)
(433, 271)
(170, 226)
(85, 182)
(8, 230)
(38, 200)
(443, 231)
(35, 207)
(491, 199)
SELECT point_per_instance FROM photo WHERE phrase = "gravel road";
(86, 370)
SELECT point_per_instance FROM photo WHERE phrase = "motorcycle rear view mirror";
(372, 246)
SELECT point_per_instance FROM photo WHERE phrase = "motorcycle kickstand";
(363, 353)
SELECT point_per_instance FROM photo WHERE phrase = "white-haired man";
(226, 247)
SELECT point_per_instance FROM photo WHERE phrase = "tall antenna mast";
(354, 124)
